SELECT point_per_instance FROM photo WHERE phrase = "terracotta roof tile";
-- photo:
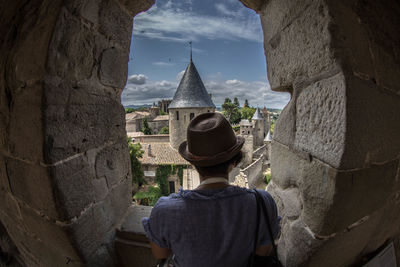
(161, 153)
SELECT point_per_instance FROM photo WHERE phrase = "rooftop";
(191, 92)
(257, 115)
(161, 118)
(161, 153)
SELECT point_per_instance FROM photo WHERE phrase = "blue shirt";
(213, 227)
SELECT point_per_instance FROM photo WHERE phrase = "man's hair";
(219, 169)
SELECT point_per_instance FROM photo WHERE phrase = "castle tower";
(267, 122)
(258, 128)
(154, 111)
(190, 99)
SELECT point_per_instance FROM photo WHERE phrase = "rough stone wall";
(262, 150)
(258, 132)
(159, 138)
(133, 125)
(253, 172)
(64, 164)
(178, 128)
(335, 153)
(29, 210)
(247, 149)
(157, 125)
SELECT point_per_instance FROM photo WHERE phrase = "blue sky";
(227, 51)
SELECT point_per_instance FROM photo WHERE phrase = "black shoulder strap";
(257, 229)
(261, 202)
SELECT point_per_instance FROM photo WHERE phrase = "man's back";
(213, 227)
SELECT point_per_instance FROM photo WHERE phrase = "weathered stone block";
(50, 234)
(373, 128)
(350, 40)
(4, 183)
(349, 244)
(26, 40)
(285, 166)
(285, 127)
(113, 163)
(333, 200)
(113, 69)
(25, 134)
(32, 184)
(73, 181)
(77, 128)
(136, 7)
(296, 40)
(321, 119)
(71, 49)
(87, 9)
(380, 21)
(289, 201)
(96, 225)
(116, 24)
(10, 208)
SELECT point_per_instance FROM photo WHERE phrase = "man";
(214, 224)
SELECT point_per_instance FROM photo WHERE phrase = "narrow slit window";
(191, 116)
(177, 115)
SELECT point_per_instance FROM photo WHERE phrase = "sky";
(227, 47)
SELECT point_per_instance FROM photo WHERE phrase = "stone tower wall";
(335, 153)
(258, 132)
(178, 128)
(64, 163)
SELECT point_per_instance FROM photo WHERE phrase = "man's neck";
(213, 185)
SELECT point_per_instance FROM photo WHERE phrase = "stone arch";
(64, 167)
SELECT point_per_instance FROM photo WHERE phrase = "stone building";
(65, 189)
(258, 123)
(163, 104)
(134, 120)
(190, 99)
(156, 154)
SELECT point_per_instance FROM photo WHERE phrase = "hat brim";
(205, 161)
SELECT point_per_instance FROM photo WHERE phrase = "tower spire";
(190, 43)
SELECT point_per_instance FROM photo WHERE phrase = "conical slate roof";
(257, 115)
(191, 92)
(268, 137)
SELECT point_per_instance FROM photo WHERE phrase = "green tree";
(164, 130)
(247, 113)
(136, 152)
(129, 110)
(231, 111)
(246, 104)
(162, 173)
(163, 113)
(227, 100)
(236, 102)
(149, 197)
(272, 127)
(145, 128)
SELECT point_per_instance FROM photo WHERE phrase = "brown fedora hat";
(210, 140)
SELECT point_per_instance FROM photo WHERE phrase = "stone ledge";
(131, 243)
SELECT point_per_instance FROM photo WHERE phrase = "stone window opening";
(177, 115)
(66, 173)
(191, 116)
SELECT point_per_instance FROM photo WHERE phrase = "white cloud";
(174, 24)
(233, 82)
(224, 10)
(137, 79)
(258, 93)
(162, 63)
(180, 75)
